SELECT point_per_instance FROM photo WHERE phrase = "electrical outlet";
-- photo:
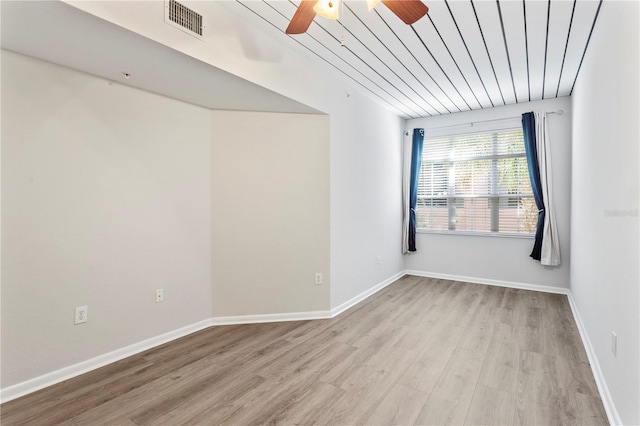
(614, 343)
(81, 315)
(159, 295)
(379, 259)
(318, 278)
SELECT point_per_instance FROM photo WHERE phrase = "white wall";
(362, 133)
(605, 262)
(366, 198)
(105, 197)
(270, 218)
(487, 258)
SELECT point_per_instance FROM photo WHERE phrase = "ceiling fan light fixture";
(327, 8)
(371, 4)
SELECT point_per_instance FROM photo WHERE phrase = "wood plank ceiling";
(464, 55)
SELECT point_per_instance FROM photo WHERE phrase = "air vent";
(180, 16)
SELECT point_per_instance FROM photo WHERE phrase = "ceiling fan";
(409, 11)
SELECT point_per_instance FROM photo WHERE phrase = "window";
(476, 183)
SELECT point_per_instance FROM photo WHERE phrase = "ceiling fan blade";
(409, 11)
(302, 18)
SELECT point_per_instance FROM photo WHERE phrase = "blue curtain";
(416, 163)
(529, 133)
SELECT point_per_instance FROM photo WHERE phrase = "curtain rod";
(472, 123)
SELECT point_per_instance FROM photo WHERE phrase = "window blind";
(476, 182)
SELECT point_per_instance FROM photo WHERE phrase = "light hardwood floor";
(421, 351)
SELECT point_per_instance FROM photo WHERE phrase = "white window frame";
(496, 200)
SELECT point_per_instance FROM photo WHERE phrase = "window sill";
(478, 234)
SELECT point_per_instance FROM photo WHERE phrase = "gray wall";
(105, 197)
(270, 218)
(605, 200)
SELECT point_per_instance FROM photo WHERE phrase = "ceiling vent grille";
(180, 16)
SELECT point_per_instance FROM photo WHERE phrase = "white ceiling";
(465, 54)
(61, 34)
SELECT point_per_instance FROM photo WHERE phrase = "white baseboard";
(605, 395)
(254, 319)
(360, 297)
(12, 392)
(474, 280)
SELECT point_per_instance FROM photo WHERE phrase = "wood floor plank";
(420, 351)
(464, 304)
(376, 363)
(449, 401)
(74, 394)
(423, 374)
(508, 311)
(401, 406)
(313, 405)
(477, 336)
(209, 340)
(162, 392)
(279, 392)
(445, 291)
(291, 360)
(557, 312)
(490, 406)
(540, 400)
(385, 333)
(275, 332)
(361, 399)
(493, 297)
(574, 376)
(500, 367)
(590, 408)
(196, 410)
(531, 339)
(274, 402)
